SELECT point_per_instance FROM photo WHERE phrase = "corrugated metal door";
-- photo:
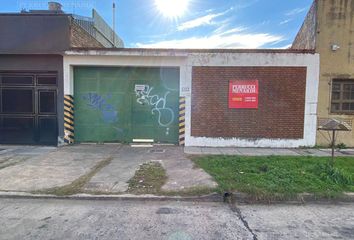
(125, 103)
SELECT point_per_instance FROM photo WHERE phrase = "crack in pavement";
(236, 210)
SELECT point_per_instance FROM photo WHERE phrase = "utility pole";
(114, 24)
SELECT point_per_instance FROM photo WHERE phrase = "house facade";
(212, 97)
(32, 44)
(328, 29)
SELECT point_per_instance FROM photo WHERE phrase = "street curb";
(244, 198)
(236, 197)
(214, 197)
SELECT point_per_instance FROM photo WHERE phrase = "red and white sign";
(243, 94)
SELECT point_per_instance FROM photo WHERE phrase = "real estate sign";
(243, 94)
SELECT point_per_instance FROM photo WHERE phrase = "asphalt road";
(74, 219)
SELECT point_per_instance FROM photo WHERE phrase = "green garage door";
(125, 103)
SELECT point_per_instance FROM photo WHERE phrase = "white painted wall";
(115, 61)
(187, 61)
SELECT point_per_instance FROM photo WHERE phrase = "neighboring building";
(32, 45)
(183, 96)
(329, 30)
(53, 31)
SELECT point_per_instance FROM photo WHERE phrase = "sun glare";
(172, 8)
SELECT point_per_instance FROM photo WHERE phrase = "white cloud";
(201, 21)
(285, 21)
(222, 40)
(295, 11)
(205, 20)
(266, 22)
(231, 31)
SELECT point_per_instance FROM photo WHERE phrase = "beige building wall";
(335, 26)
(330, 23)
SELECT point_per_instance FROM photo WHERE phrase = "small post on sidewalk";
(333, 125)
(333, 146)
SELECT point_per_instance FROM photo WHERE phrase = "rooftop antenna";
(114, 23)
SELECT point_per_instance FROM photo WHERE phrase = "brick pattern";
(80, 38)
(306, 37)
(281, 103)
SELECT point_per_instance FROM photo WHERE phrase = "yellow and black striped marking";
(68, 119)
(182, 120)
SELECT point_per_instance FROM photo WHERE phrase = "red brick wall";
(280, 112)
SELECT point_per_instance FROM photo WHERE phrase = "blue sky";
(203, 23)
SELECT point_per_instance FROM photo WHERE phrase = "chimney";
(54, 6)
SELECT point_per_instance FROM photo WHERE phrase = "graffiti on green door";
(107, 111)
(98, 102)
(157, 103)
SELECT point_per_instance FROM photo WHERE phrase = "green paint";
(108, 109)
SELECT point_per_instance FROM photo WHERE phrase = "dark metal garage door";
(28, 108)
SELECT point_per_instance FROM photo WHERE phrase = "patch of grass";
(76, 186)
(279, 177)
(337, 175)
(341, 146)
(148, 179)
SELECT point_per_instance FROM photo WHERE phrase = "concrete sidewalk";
(266, 151)
(182, 174)
(32, 169)
(47, 169)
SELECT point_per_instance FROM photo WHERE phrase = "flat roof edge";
(35, 14)
(186, 51)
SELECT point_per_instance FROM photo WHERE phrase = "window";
(47, 102)
(342, 96)
(17, 100)
(47, 80)
(17, 80)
